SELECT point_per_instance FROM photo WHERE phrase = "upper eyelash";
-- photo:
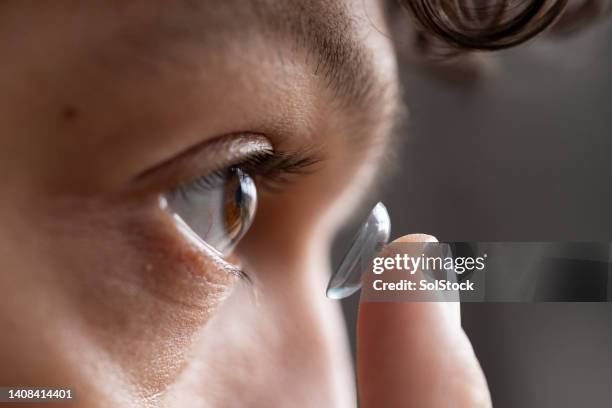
(271, 170)
(275, 169)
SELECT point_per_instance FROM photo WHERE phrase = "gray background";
(519, 151)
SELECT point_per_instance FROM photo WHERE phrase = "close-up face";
(179, 180)
(173, 173)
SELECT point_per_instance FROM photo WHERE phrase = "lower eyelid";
(141, 258)
(186, 269)
(206, 250)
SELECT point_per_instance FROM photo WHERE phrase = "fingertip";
(453, 307)
(416, 238)
(408, 350)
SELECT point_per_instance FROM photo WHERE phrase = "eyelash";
(271, 171)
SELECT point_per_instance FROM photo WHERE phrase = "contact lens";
(218, 209)
(370, 239)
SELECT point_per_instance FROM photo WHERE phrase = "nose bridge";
(313, 332)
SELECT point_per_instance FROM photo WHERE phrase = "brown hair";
(459, 25)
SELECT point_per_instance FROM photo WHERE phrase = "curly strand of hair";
(486, 25)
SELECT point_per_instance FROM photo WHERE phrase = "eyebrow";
(324, 29)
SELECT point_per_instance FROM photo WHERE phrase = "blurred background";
(516, 148)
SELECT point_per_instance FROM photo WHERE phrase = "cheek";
(284, 331)
(135, 288)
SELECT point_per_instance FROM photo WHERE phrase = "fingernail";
(370, 239)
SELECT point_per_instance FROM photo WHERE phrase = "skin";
(100, 291)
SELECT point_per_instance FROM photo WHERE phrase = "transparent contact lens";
(218, 208)
(370, 239)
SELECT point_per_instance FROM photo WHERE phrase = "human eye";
(217, 208)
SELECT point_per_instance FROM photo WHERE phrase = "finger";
(415, 354)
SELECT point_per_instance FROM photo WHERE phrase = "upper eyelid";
(269, 169)
(250, 151)
(201, 159)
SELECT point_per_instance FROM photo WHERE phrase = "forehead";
(332, 38)
(217, 22)
(328, 33)
(138, 67)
